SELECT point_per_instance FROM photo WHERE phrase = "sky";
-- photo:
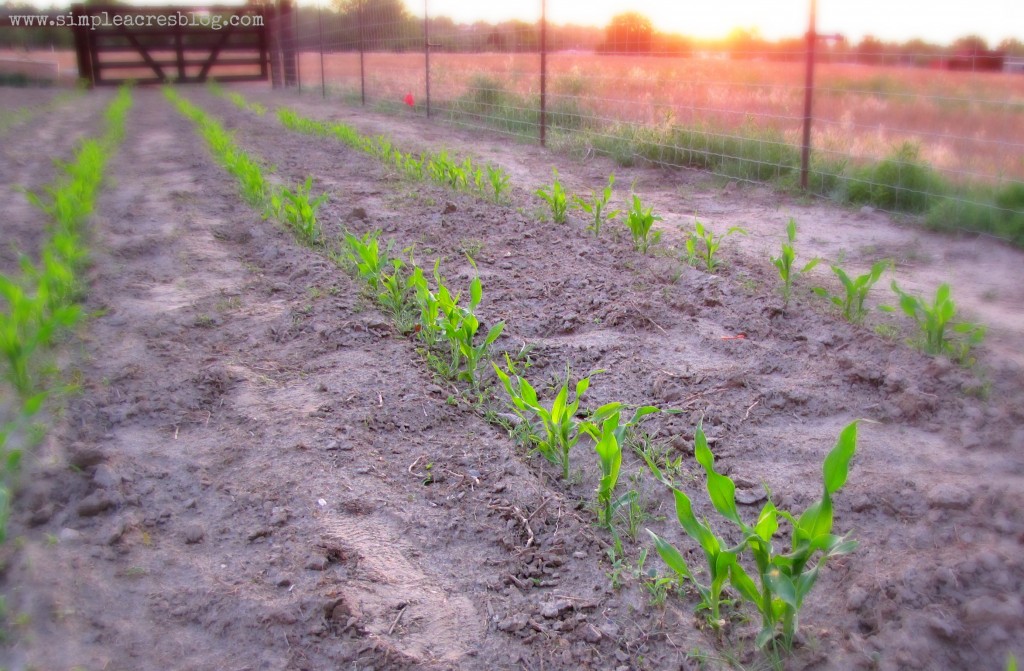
(939, 21)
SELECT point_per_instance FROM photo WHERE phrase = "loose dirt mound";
(243, 481)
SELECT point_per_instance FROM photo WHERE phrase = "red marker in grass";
(409, 100)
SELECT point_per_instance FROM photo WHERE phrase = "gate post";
(286, 38)
(82, 50)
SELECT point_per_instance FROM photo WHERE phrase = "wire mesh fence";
(919, 129)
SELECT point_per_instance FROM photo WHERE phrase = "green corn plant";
(702, 244)
(499, 180)
(856, 289)
(639, 221)
(609, 453)
(298, 210)
(609, 435)
(938, 332)
(398, 293)
(460, 325)
(554, 430)
(430, 303)
(785, 579)
(555, 197)
(366, 257)
(784, 263)
(597, 207)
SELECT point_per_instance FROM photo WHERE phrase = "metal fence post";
(298, 48)
(543, 72)
(426, 49)
(362, 70)
(805, 152)
(323, 75)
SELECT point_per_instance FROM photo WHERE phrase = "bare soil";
(259, 472)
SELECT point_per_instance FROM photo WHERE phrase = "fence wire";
(921, 132)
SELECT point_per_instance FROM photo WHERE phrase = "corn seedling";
(702, 245)
(597, 207)
(555, 197)
(856, 289)
(429, 303)
(366, 257)
(784, 263)
(460, 325)
(555, 429)
(639, 221)
(499, 181)
(609, 453)
(298, 210)
(938, 333)
(785, 579)
(398, 293)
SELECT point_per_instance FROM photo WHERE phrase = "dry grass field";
(967, 124)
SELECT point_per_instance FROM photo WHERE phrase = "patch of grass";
(902, 182)
(998, 212)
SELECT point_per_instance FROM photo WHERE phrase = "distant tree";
(920, 53)
(870, 50)
(1011, 46)
(744, 43)
(970, 44)
(387, 24)
(630, 33)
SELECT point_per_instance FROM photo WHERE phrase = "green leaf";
(671, 556)
(721, 489)
(782, 587)
(837, 463)
(743, 583)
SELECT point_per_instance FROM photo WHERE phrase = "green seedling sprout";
(609, 437)
(785, 260)
(702, 244)
(555, 197)
(856, 289)
(938, 332)
(298, 210)
(785, 579)
(597, 207)
(499, 181)
(554, 430)
(365, 255)
(639, 221)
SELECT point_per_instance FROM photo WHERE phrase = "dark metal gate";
(150, 45)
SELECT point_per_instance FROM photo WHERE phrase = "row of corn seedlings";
(237, 99)
(294, 207)
(11, 118)
(939, 331)
(446, 323)
(784, 578)
(486, 181)
(41, 302)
